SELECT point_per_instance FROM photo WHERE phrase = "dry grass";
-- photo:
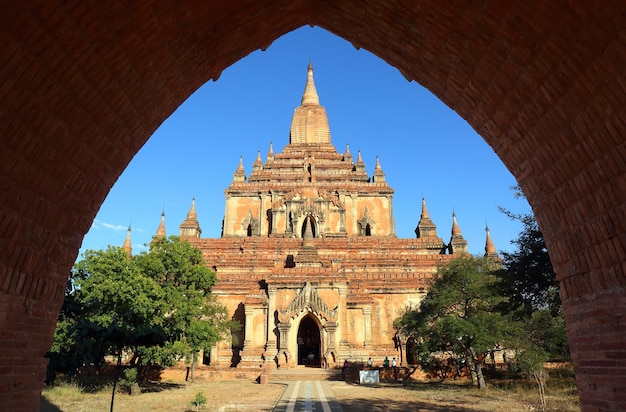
(165, 397)
(244, 395)
(449, 396)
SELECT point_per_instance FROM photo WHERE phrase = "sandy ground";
(249, 396)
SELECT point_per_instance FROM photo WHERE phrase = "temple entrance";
(411, 352)
(309, 342)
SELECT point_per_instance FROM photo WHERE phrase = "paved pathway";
(307, 396)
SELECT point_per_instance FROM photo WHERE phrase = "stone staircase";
(302, 373)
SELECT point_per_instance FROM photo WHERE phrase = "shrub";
(199, 402)
(129, 381)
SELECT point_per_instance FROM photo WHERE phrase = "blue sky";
(425, 148)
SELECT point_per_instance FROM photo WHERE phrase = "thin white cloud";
(97, 224)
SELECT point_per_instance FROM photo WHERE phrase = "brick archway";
(85, 84)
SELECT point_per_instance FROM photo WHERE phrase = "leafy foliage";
(458, 316)
(109, 305)
(157, 304)
(529, 281)
(199, 402)
(192, 318)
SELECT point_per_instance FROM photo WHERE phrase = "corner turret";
(190, 228)
(128, 246)
(458, 244)
(379, 175)
(240, 173)
(161, 229)
(425, 227)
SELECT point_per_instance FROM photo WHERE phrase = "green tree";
(529, 362)
(192, 319)
(118, 304)
(109, 307)
(457, 318)
(529, 282)
(156, 305)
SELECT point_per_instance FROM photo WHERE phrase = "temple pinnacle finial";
(270, 154)
(128, 247)
(425, 214)
(192, 211)
(161, 229)
(310, 96)
(379, 175)
(456, 230)
(490, 248)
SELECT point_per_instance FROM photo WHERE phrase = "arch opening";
(309, 342)
(309, 228)
(491, 78)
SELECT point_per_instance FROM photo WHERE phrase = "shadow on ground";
(360, 405)
(154, 387)
(398, 397)
(46, 406)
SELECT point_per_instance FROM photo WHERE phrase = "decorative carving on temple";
(366, 223)
(291, 195)
(331, 196)
(310, 208)
(250, 225)
(307, 300)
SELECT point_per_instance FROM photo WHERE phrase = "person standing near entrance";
(386, 362)
(369, 363)
(346, 364)
(393, 363)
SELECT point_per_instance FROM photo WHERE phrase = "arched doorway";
(309, 342)
(309, 228)
(411, 352)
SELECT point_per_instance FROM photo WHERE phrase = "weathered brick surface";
(84, 84)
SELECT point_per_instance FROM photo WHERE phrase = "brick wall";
(84, 84)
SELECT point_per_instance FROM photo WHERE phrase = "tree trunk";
(480, 378)
(540, 380)
(193, 366)
(472, 367)
(135, 389)
(476, 368)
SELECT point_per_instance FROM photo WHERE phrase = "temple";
(308, 260)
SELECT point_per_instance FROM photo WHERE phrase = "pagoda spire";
(348, 155)
(161, 229)
(310, 96)
(128, 246)
(270, 154)
(257, 166)
(425, 214)
(458, 244)
(190, 228)
(456, 230)
(425, 226)
(240, 173)
(359, 165)
(379, 175)
(490, 249)
(309, 124)
(192, 210)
